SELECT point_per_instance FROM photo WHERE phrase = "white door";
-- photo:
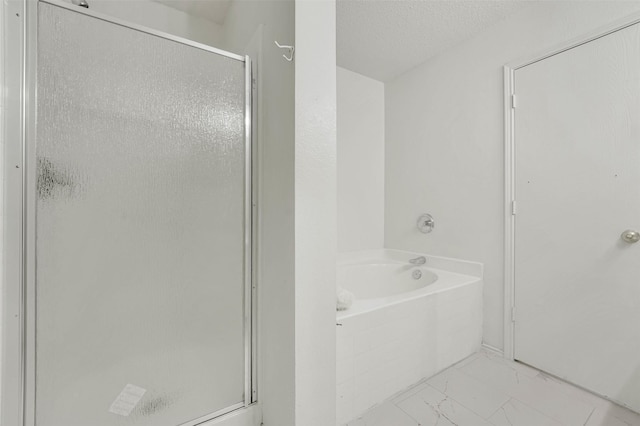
(577, 148)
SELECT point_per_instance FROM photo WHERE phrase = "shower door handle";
(630, 236)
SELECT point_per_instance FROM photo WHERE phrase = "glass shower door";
(142, 238)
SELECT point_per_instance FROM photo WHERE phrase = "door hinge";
(513, 101)
(513, 314)
(513, 207)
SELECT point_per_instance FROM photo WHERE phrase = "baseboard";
(493, 349)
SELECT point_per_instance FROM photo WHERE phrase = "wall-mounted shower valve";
(426, 223)
(81, 3)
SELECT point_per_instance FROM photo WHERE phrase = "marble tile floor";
(487, 390)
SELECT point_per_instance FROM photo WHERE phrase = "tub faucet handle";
(420, 260)
(426, 223)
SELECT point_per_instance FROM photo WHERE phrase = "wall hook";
(291, 50)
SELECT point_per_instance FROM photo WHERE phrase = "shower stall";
(136, 225)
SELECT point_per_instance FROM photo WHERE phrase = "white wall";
(444, 133)
(160, 17)
(315, 213)
(360, 162)
(276, 238)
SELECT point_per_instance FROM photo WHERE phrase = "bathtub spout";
(421, 260)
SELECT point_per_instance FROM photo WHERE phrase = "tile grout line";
(493, 387)
(562, 387)
(590, 414)
(545, 414)
(458, 402)
(528, 405)
(437, 409)
(485, 385)
(498, 409)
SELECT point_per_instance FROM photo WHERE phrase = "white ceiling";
(384, 38)
(212, 10)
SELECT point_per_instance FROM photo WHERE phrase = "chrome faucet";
(420, 260)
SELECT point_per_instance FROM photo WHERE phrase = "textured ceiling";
(384, 38)
(212, 10)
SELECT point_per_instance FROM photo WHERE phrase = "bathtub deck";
(487, 390)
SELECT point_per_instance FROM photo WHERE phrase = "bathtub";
(407, 323)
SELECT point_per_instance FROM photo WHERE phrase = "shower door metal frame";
(19, 257)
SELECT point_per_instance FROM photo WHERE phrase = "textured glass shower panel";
(140, 231)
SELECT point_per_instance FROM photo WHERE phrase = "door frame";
(510, 205)
(17, 284)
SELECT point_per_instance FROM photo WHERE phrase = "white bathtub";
(400, 330)
(383, 279)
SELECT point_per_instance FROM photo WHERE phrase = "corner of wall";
(361, 117)
(315, 212)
